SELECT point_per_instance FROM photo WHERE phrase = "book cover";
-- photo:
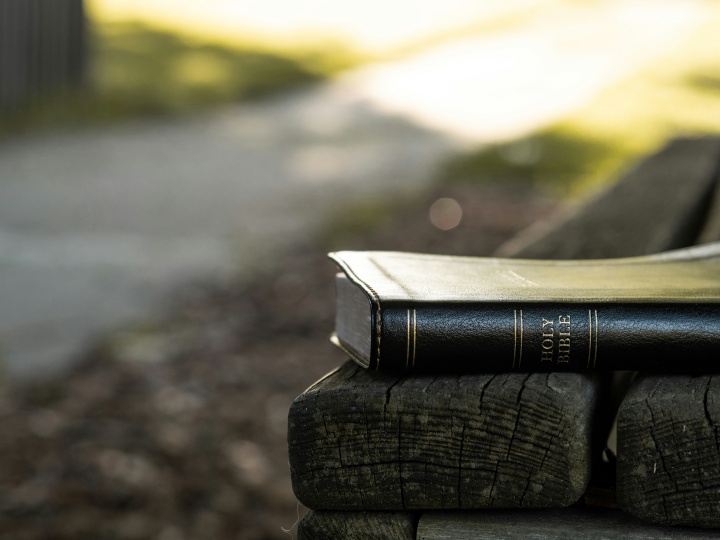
(408, 311)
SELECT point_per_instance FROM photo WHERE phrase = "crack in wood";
(460, 467)
(709, 419)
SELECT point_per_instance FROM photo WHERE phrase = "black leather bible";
(434, 313)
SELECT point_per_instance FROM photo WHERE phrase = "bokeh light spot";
(445, 213)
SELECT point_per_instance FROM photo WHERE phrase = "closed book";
(409, 311)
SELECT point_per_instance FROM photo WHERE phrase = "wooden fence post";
(42, 48)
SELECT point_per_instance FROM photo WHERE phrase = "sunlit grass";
(136, 70)
(375, 27)
(169, 71)
(678, 95)
(553, 159)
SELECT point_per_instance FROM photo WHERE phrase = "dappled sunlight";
(670, 97)
(557, 159)
(200, 68)
(145, 67)
(473, 74)
(371, 26)
(139, 70)
(164, 245)
(505, 85)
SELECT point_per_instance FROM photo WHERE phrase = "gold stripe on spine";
(407, 354)
(414, 336)
(596, 339)
(522, 328)
(590, 323)
(515, 337)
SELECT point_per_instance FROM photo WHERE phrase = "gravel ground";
(176, 428)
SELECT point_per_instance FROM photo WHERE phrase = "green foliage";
(136, 70)
(158, 72)
(555, 159)
(361, 218)
(560, 161)
(707, 82)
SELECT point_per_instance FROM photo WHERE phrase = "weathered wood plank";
(361, 440)
(663, 203)
(711, 227)
(14, 53)
(668, 449)
(78, 43)
(42, 48)
(657, 206)
(675, 228)
(328, 525)
(568, 524)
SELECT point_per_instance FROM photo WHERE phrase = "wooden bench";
(668, 467)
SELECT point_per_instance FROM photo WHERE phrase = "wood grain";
(328, 525)
(361, 440)
(568, 524)
(669, 451)
(659, 205)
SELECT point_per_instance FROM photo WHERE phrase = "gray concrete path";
(98, 226)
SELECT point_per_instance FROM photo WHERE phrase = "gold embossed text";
(556, 340)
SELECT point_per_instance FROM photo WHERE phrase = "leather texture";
(463, 314)
(460, 338)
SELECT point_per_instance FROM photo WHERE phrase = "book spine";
(549, 337)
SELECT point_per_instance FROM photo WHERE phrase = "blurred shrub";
(554, 159)
(137, 70)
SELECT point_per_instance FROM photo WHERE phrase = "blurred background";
(173, 173)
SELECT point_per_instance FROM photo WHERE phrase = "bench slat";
(659, 205)
(569, 524)
(668, 446)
